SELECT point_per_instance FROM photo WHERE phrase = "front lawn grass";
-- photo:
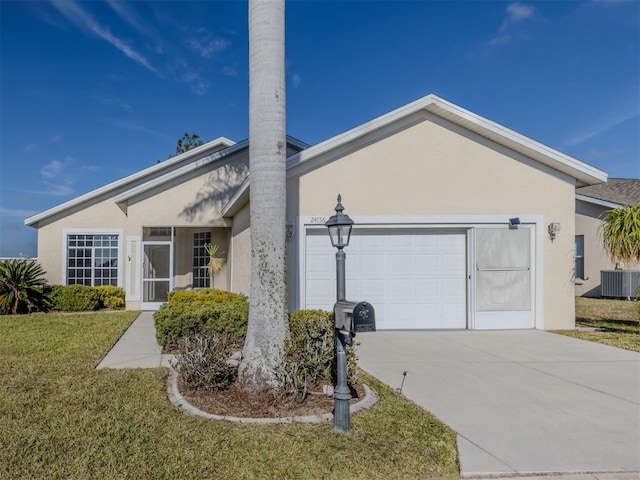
(612, 322)
(61, 418)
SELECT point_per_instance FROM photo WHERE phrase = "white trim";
(128, 283)
(92, 231)
(220, 141)
(434, 222)
(597, 201)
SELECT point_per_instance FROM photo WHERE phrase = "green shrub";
(111, 297)
(203, 361)
(22, 287)
(183, 300)
(191, 313)
(309, 354)
(74, 298)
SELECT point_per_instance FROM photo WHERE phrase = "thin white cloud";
(230, 70)
(56, 179)
(128, 16)
(55, 138)
(185, 74)
(30, 147)
(112, 101)
(516, 12)
(607, 122)
(207, 47)
(84, 21)
(132, 127)
(295, 80)
(10, 212)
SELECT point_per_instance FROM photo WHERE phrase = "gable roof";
(159, 169)
(615, 193)
(414, 112)
(156, 175)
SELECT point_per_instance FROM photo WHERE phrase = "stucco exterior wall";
(596, 259)
(436, 168)
(241, 252)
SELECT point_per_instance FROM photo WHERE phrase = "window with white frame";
(201, 259)
(579, 257)
(92, 259)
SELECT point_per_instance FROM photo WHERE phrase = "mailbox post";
(339, 226)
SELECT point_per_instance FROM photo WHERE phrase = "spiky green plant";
(215, 263)
(22, 287)
(620, 231)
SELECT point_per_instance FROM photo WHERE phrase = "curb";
(176, 398)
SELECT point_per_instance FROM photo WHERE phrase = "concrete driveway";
(521, 401)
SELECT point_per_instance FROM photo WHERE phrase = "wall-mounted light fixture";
(514, 222)
(553, 229)
(291, 229)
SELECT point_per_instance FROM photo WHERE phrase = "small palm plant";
(620, 231)
(22, 287)
(215, 262)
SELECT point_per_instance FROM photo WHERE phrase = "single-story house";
(456, 221)
(592, 203)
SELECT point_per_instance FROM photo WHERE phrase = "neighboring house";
(452, 214)
(592, 203)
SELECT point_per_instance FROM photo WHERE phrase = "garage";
(415, 278)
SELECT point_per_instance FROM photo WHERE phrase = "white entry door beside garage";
(414, 278)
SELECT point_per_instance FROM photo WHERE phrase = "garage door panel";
(371, 288)
(401, 288)
(427, 263)
(404, 242)
(400, 263)
(370, 263)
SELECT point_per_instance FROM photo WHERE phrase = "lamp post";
(339, 226)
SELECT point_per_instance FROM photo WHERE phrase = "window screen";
(503, 280)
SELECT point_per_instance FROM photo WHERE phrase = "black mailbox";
(364, 318)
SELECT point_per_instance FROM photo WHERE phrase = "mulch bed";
(237, 402)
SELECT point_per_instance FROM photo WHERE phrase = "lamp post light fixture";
(339, 226)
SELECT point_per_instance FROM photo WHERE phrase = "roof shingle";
(624, 191)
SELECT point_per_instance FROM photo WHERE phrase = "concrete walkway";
(522, 402)
(137, 348)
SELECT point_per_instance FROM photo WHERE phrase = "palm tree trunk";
(268, 323)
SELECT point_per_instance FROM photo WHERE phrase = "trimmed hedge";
(74, 298)
(78, 298)
(190, 313)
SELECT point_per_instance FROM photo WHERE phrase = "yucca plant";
(22, 287)
(215, 263)
(620, 231)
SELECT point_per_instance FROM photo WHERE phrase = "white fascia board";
(297, 143)
(237, 200)
(597, 201)
(220, 141)
(125, 196)
(466, 119)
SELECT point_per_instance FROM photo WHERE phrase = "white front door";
(503, 278)
(414, 278)
(157, 273)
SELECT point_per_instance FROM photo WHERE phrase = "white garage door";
(413, 278)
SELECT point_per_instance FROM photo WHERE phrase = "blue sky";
(93, 91)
